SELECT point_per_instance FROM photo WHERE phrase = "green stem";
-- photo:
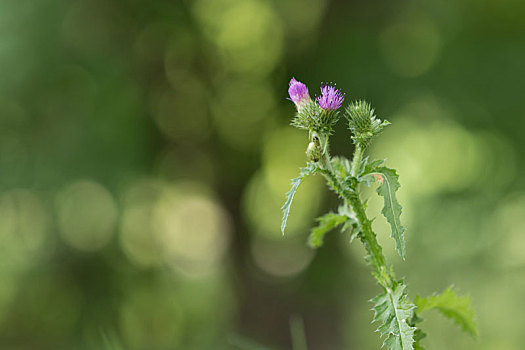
(368, 237)
(375, 256)
(348, 189)
(358, 157)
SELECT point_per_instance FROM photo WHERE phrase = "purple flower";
(298, 92)
(331, 98)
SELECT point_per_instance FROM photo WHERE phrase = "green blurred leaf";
(325, 223)
(452, 306)
(306, 171)
(393, 310)
(389, 184)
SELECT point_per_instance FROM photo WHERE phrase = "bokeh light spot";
(193, 230)
(432, 152)
(177, 224)
(136, 236)
(24, 229)
(87, 215)
(510, 223)
(285, 258)
(248, 33)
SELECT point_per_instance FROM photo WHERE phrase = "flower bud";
(363, 123)
(298, 93)
(313, 152)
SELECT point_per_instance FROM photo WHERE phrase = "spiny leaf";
(452, 306)
(392, 208)
(306, 171)
(351, 225)
(368, 166)
(393, 310)
(325, 223)
(418, 334)
(341, 167)
(389, 184)
(329, 221)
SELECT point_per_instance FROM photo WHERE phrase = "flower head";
(363, 123)
(331, 98)
(298, 92)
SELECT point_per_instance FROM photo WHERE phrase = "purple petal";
(331, 98)
(298, 92)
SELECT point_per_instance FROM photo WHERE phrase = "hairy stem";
(368, 237)
(358, 157)
(382, 273)
(326, 164)
(403, 325)
(375, 253)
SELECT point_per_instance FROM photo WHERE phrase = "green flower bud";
(363, 123)
(313, 152)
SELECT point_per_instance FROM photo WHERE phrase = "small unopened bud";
(363, 123)
(313, 152)
(298, 93)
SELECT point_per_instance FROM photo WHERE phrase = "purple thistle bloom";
(331, 98)
(298, 92)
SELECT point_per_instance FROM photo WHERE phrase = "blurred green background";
(145, 152)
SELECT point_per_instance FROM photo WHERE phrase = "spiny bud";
(315, 116)
(362, 122)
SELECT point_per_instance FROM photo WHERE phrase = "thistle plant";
(397, 316)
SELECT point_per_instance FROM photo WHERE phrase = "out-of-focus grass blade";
(298, 333)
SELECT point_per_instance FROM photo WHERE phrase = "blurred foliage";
(145, 148)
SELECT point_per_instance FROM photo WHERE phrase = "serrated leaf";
(388, 185)
(306, 171)
(418, 334)
(325, 223)
(351, 224)
(368, 166)
(341, 166)
(393, 310)
(328, 222)
(452, 306)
